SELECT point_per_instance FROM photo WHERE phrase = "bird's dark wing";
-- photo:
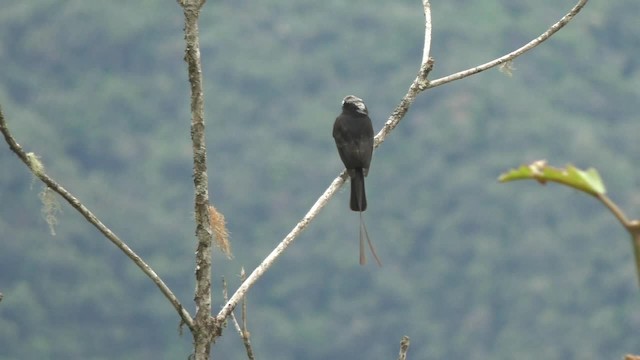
(354, 140)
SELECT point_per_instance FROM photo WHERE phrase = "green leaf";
(588, 181)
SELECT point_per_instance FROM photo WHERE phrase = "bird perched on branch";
(353, 134)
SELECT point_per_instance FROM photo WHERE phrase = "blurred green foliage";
(473, 269)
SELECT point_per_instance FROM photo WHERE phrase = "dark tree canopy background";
(473, 269)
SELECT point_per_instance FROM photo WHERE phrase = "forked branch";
(419, 84)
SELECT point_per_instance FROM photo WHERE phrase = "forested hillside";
(473, 269)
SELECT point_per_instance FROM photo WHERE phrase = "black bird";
(353, 134)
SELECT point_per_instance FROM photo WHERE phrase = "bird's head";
(354, 103)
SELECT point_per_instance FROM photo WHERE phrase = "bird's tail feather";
(358, 196)
(364, 235)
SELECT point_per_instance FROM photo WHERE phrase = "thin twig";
(426, 48)
(242, 330)
(617, 212)
(514, 54)
(225, 297)
(632, 227)
(635, 243)
(246, 335)
(91, 218)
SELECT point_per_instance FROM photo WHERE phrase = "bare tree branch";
(426, 48)
(270, 259)
(514, 54)
(205, 327)
(38, 171)
(419, 84)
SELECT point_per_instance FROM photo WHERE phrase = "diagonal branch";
(76, 204)
(288, 240)
(514, 54)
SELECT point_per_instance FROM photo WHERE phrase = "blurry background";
(473, 269)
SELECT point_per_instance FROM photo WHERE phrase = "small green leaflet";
(588, 180)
